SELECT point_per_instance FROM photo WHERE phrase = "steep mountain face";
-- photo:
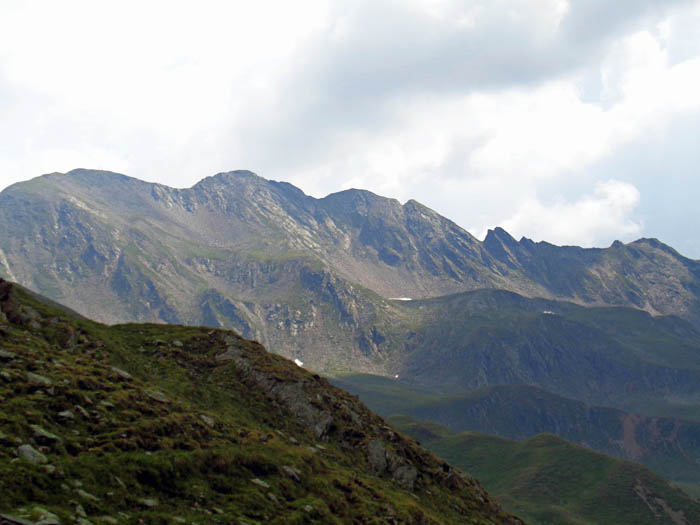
(99, 235)
(162, 424)
(548, 480)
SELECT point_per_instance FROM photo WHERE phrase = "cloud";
(602, 217)
(358, 76)
(476, 108)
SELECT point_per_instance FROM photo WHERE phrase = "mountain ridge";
(370, 213)
(262, 257)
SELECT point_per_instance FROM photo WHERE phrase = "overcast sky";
(576, 122)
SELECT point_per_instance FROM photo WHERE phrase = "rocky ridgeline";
(238, 251)
(175, 424)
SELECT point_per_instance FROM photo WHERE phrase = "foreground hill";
(546, 479)
(160, 423)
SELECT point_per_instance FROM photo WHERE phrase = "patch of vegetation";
(546, 479)
(519, 412)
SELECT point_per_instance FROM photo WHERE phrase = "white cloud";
(472, 107)
(604, 216)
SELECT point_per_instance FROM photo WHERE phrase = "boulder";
(31, 454)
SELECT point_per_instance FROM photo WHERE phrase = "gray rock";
(36, 379)
(86, 495)
(207, 420)
(291, 472)
(382, 460)
(6, 355)
(157, 395)
(231, 354)
(177, 343)
(122, 373)
(260, 483)
(405, 475)
(66, 414)
(31, 454)
(148, 502)
(376, 455)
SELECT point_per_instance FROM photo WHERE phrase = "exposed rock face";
(383, 460)
(241, 252)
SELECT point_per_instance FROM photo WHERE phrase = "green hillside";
(668, 446)
(168, 424)
(548, 480)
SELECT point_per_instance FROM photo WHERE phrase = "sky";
(571, 121)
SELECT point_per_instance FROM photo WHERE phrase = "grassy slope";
(235, 439)
(668, 446)
(546, 479)
(615, 357)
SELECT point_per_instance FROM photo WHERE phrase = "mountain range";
(600, 346)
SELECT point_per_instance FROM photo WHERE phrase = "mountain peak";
(232, 177)
(360, 201)
(501, 235)
(91, 176)
(88, 171)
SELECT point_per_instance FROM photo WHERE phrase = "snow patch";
(400, 299)
(298, 363)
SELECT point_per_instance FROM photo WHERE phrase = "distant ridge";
(545, 479)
